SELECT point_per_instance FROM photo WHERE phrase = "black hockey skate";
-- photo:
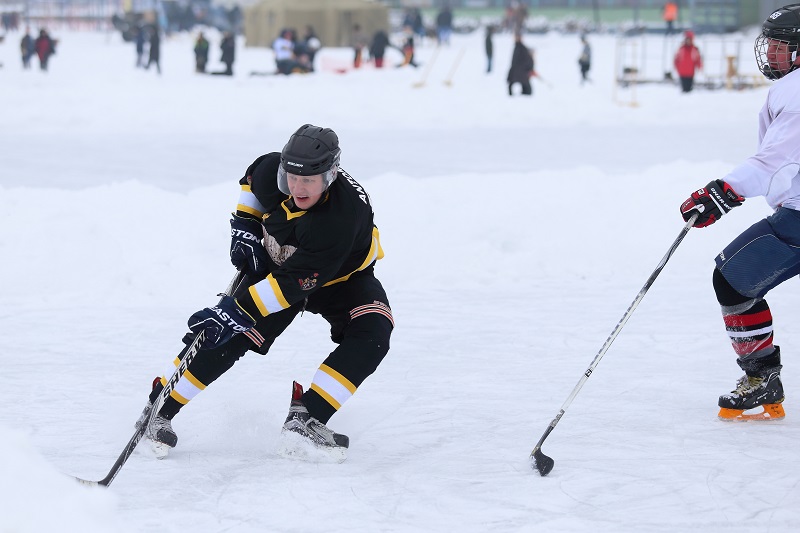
(304, 437)
(160, 433)
(759, 387)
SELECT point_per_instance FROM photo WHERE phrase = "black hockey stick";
(151, 411)
(539, 460)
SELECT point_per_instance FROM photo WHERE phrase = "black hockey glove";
(221, 322)
(712, 201)
(247, 252)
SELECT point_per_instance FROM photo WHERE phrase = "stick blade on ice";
(541, 462)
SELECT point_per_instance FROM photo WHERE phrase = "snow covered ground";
(517, 232)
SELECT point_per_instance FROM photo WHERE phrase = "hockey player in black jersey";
(303, 232)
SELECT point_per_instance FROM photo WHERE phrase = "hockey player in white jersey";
(768, 253)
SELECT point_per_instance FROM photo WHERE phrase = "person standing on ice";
(768, 253)
(687, 61)
(585, 59)
(522, 67)
(303, 233)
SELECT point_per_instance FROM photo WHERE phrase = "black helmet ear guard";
(783, 26)
(311, 150)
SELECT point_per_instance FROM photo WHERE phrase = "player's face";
(779, 56)
(306, 190)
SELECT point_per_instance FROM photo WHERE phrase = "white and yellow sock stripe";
(331, 385)
(187, 387)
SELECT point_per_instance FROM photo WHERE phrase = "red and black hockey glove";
(712, 201)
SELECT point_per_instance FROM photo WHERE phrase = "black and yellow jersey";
(309, 249)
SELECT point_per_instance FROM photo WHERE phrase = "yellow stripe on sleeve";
(257, 300)
(278, 292)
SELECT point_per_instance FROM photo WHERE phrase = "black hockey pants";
(361, 324)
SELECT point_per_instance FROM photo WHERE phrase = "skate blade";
(770, 411)
(298, 448)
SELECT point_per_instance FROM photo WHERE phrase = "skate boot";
(760, 387)
(159, 433)
(306, 438)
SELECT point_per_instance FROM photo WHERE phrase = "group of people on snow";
(43, 47)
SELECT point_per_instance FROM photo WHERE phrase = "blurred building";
(333, 20)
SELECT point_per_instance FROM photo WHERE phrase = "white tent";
(333, 20)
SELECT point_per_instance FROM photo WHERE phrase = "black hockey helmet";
(783, 25)
(311, 150)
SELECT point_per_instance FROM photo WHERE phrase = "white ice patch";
(292, 445)
(159, 450)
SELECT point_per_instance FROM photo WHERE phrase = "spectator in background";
(27, 48)
(45, 47)
(155, 49)
(521, 67)
(228, 49)
(359, 43)
(670, 15)
(408, 48)
(687, 61)
(444, 25)
(201, 53)
(585, 60)
(380, 41)
(141, 38)
(413, 19)
(283, 48)
(489, 47)
(312, 44)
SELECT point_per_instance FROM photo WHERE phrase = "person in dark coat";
(155, 50)
(201, 53)
(521, 67)
(228, 48)
(489, 47)
(444, 25)
(141, 38)
(27, 49)
(380, 41)
(585, 59)
(311, 45)
(45, 47)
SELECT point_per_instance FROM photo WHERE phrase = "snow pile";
(38, 498)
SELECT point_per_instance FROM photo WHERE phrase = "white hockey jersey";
(773, 171)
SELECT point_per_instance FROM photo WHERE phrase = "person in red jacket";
(687, 60)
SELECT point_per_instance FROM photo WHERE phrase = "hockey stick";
(191, 352)
(539, 460)
(427, 70)
(449, 81)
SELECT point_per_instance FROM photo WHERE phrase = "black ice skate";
(304, 437)
(160, 433)
(757, 388)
